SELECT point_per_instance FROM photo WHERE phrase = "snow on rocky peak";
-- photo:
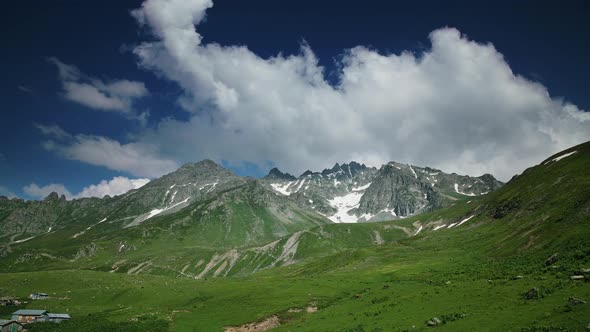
(343, 204)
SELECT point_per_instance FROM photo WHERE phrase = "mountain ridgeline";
(356, 193)
(228, 224)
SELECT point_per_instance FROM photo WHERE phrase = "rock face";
(354, 192)
(329, 192)
(397, 191)
(275, 174)
(86, 251)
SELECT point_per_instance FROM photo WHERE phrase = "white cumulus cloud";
(135, 158)
(457, 106)
(116, 186)
(6, 192)
(115, 96)
(36, 191)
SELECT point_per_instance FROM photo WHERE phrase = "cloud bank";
(457, 106)
(116, 186)
(36, 191)
(6, 192)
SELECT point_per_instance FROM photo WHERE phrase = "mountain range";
(220, 219)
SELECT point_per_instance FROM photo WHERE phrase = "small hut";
(57, 318)
(10, 326)
(29, 316)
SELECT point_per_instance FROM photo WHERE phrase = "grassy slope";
(468, 271)
(169, 243)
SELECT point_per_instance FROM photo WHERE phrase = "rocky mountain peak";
(203, 164)
(306, 173)
(276, 174)
(54, 197)
(202, 168)
(347, 170)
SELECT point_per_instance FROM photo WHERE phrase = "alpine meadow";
(180, 165)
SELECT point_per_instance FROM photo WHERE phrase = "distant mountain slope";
(546, 208)
(202, 220)
(245, 216)
(357, 193)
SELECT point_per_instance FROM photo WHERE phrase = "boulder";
(575, 301)
(532, 293)
(434, 321)
(551, 260)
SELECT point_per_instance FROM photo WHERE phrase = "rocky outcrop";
(354, 192)
(86, 251)
(275, 174)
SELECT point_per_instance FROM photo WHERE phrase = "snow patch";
(282, 189)
(24, 240)
(460, 192)
(411, 169)
(367, 216)
(155, 212)
(390, 211)
(561, 157)
(465, 220)
(439, 227)
(343, 204)
(300, 184)
(361, 188)
(418, 231)
(88, 228)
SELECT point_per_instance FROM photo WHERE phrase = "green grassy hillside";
(194, 242)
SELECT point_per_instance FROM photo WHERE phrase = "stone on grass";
(532, 293)
(575, 301)
(434, 321)
(551, 260)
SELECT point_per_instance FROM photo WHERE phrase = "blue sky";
(183, 115)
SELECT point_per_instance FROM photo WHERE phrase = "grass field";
(382, 288)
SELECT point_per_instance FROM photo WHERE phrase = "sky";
(100, 97)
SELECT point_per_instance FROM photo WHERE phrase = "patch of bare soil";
(261, 326)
